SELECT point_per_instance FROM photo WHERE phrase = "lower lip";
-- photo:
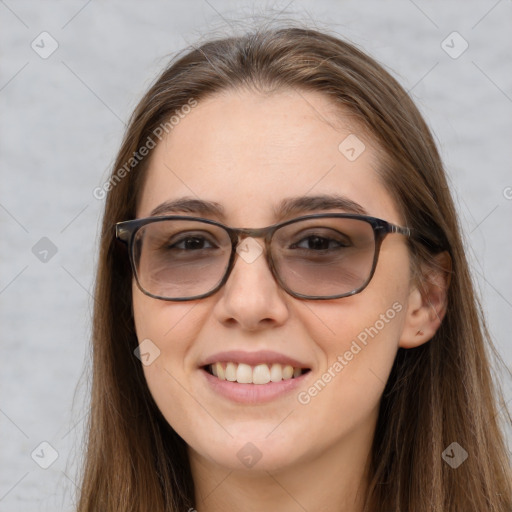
(253, 393)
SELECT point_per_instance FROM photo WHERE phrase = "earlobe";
(427, 303)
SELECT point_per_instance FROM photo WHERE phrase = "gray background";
(62, 119)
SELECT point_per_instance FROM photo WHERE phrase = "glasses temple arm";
(122, 233)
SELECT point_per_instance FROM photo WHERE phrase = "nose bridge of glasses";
(241, 234)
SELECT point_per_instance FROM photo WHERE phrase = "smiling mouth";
(259, 374)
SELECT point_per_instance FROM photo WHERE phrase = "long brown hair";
(438, 393)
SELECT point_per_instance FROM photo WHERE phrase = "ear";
(427, 302)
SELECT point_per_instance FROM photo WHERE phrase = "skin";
(313, 456)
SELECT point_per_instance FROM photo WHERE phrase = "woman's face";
(248, 152)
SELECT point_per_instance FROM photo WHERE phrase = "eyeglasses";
(319, 256)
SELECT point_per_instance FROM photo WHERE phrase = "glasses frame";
(125, 232)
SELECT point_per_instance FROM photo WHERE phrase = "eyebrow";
(286, 208)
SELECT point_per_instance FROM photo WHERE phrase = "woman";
(330, 355)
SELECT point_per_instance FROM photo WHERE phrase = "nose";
(251, 297)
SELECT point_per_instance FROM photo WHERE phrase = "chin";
(249, 453)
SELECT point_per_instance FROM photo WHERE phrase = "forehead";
(249, 151)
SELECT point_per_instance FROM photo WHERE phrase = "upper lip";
(253, 358)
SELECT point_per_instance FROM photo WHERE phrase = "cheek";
(358, 339)
(165, 332)
(167, 324)
(358, 357)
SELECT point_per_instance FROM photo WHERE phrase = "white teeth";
(287, 372)
(231, 372)
(259, 374)
(221, 374)
(244, 374)
(276, 373)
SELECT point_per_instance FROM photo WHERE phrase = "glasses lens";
(324, 257)
(180, 258)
